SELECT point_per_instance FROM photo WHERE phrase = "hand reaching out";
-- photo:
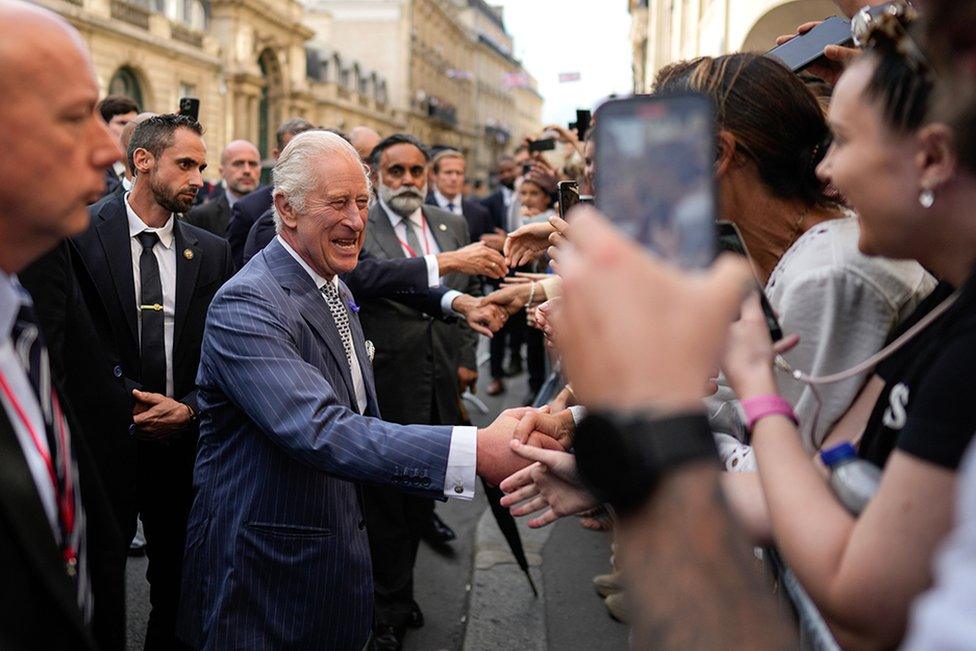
(550, 485)
(475, 259)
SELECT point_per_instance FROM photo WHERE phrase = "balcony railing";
(186, 35)
(130, 13)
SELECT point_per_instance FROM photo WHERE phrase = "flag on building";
(515, 80)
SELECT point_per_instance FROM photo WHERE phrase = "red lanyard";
(423, 237)
(65, 498)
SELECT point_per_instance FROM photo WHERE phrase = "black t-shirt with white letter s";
(928, 406)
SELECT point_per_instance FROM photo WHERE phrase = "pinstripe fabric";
(276, 553)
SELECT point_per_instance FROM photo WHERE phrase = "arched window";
(125, 82)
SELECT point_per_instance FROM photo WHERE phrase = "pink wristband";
(761, 406)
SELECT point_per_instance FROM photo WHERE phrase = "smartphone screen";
(569, 196)
(798, 53)
(730, 240)
(655, 160)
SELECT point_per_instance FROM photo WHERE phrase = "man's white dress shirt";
(12, 296)
(165, 252)
(431, 249)
(452, 205)
(459, 481)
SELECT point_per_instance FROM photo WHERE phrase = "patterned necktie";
(341, 317)
(412, 240)
(33, 357)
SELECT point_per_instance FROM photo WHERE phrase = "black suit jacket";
(203, 263)
(86, 364)
(213, 215)
(404, 280)
(112, 181)
(39, 603)
(475, 214)
(242, 216)
(495, 203)
(417, 356)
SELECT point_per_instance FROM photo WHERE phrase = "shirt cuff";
(459, 480)
(578, 412)
(446, 301)
(433, 270)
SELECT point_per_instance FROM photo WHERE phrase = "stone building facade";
(664, 31)
(416, 65)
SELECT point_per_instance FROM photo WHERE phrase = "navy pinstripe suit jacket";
(276, 550)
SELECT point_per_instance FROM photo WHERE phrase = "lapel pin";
(443, 227)
(188, 254)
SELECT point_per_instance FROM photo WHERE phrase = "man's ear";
(286, 212)
(936, 158)
(725, 154)
(143, 160)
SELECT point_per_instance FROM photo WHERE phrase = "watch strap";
(622, 458)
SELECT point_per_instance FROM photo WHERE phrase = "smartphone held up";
(655, 158)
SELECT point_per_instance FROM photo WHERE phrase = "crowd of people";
(262, 387)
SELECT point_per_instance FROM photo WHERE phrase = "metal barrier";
(815, 635)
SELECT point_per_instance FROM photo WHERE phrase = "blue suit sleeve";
(254, 360)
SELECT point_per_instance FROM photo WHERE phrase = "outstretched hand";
(550, 485)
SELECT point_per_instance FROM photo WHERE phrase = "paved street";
(568, 614)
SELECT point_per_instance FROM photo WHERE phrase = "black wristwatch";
(621, 458)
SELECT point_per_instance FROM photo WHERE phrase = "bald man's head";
(240, 167)
(126, 138)
(364, 139)
(50, 134)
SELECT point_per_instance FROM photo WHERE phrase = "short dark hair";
(292, 127)
(116, 105)
(156, 134)
(396, 139)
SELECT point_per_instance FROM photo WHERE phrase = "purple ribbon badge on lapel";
(352, 306)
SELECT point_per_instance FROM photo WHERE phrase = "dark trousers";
(535, 353)
(165, 491)
(394, 521)
(509, 338)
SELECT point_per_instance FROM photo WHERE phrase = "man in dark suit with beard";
(420, 364)
(156, 275)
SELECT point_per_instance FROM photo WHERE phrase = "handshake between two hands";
(524, 451)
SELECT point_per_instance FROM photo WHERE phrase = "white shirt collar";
(119, 168)
(395, 218)
(12, 296)
(136, 225)
(507, 194)
(126, 184)
(231, 199)
(319, 280)
(444, 202)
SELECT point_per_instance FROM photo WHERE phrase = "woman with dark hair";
(914, 418)
(842, 304)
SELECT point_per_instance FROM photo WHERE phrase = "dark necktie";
(453, 208)
(412, 240)
(33, 356)
(152, 344)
